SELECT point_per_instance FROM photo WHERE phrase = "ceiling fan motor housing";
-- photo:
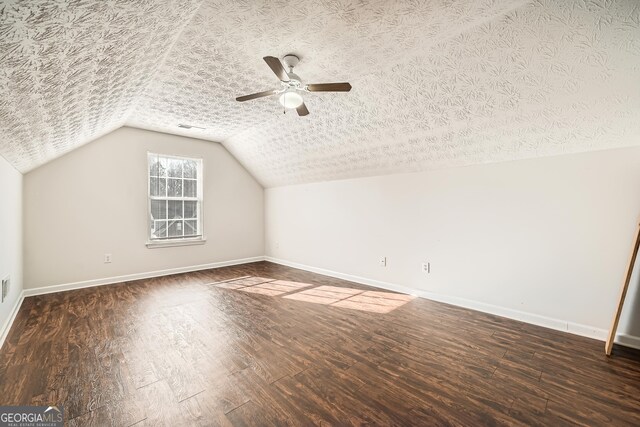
(294, 81)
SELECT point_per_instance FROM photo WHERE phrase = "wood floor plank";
(180, 350)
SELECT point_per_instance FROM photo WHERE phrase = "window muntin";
(175, 197)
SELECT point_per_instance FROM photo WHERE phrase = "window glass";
(175, 199)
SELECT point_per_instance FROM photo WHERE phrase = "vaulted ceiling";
(436, 83)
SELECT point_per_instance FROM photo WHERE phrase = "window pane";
(160, 229)
(190, 188)
(175, 209)
(173, 178)
(190, 228)
(158, 187)
(190, 169)
(175, 168)
(159, 209)
(174, 187)
(190, 209)
(175, 228)
(158, 166)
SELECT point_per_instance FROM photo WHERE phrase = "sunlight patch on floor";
(355, 299)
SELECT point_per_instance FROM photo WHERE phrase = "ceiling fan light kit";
(290, 98)
(290, 92)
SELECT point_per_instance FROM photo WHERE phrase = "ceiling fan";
(292, 86)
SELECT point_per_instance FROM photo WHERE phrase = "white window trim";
(176, 242)
(153, 244)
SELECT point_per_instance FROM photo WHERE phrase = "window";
(175, 200)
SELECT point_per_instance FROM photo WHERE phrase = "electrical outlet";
(107, 258)
(383, 261)
(426, 267)
(5, 287)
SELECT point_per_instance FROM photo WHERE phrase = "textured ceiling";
(70, 71)
(436, 83)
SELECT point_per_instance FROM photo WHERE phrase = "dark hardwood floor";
(178, 350)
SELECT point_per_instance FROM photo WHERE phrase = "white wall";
(545, 240)
(10, 238)
(93, 201)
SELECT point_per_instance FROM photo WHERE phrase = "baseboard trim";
(522, 316)
(628, 341)
(12, 317)
(137, 276)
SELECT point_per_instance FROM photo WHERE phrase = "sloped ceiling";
(436, 83)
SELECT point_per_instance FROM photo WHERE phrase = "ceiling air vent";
(183, 126)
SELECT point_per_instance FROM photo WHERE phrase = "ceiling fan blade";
(256, 95)
(329, 87)
(302, 110)
(276, 66)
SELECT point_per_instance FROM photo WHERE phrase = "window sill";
(175, 243)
